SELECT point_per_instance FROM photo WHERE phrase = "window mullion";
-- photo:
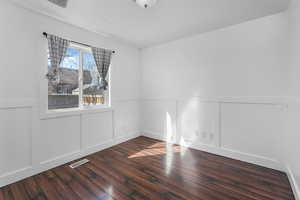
(80, 79)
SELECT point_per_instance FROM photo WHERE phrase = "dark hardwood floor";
(145, 168)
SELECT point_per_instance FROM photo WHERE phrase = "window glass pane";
(63, 91)
(92, 91)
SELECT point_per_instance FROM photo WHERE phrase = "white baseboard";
(245, 157)
(293, 182)
(18, 175)
(125, 138)
(110, 143)
(15, 176)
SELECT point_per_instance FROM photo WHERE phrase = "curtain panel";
(57, 51)
(102, 59)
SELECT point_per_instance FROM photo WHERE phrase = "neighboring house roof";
(68, 78)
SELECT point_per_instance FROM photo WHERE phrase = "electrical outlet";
(211, 136)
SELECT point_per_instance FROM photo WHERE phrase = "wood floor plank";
(33, 189)
(149, 169)
(75, 185)
(47, 187)
(108, 186)
(19, 192)
(98, 192)
(1, 195)
(62, 188)
(7, 193)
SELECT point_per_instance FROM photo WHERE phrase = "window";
(78, 82)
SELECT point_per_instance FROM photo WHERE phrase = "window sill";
(74, 111)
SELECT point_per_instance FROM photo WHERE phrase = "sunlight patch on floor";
(159, 148)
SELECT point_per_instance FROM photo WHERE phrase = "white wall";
(29, 143)
(220, 91)
(291, 135)
(251, 54)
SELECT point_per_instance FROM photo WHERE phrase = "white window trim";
(45, 113)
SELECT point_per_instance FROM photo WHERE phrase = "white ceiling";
(166, 21)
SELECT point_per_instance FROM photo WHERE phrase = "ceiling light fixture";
(145, 3)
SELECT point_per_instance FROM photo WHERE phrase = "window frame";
(49, 113)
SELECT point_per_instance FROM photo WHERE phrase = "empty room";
(149, 100)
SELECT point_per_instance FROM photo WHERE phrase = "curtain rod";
(46, 35)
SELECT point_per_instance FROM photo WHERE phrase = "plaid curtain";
(102, 58)
(57, 50)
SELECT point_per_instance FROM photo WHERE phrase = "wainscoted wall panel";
(252, 128)
(244, 129)
(59, 137)
(291, 140)
(97, 129)
(15, 139)
(159, 118)
(198, 122)
(127, 117)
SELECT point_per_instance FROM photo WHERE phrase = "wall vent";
(79, 163)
